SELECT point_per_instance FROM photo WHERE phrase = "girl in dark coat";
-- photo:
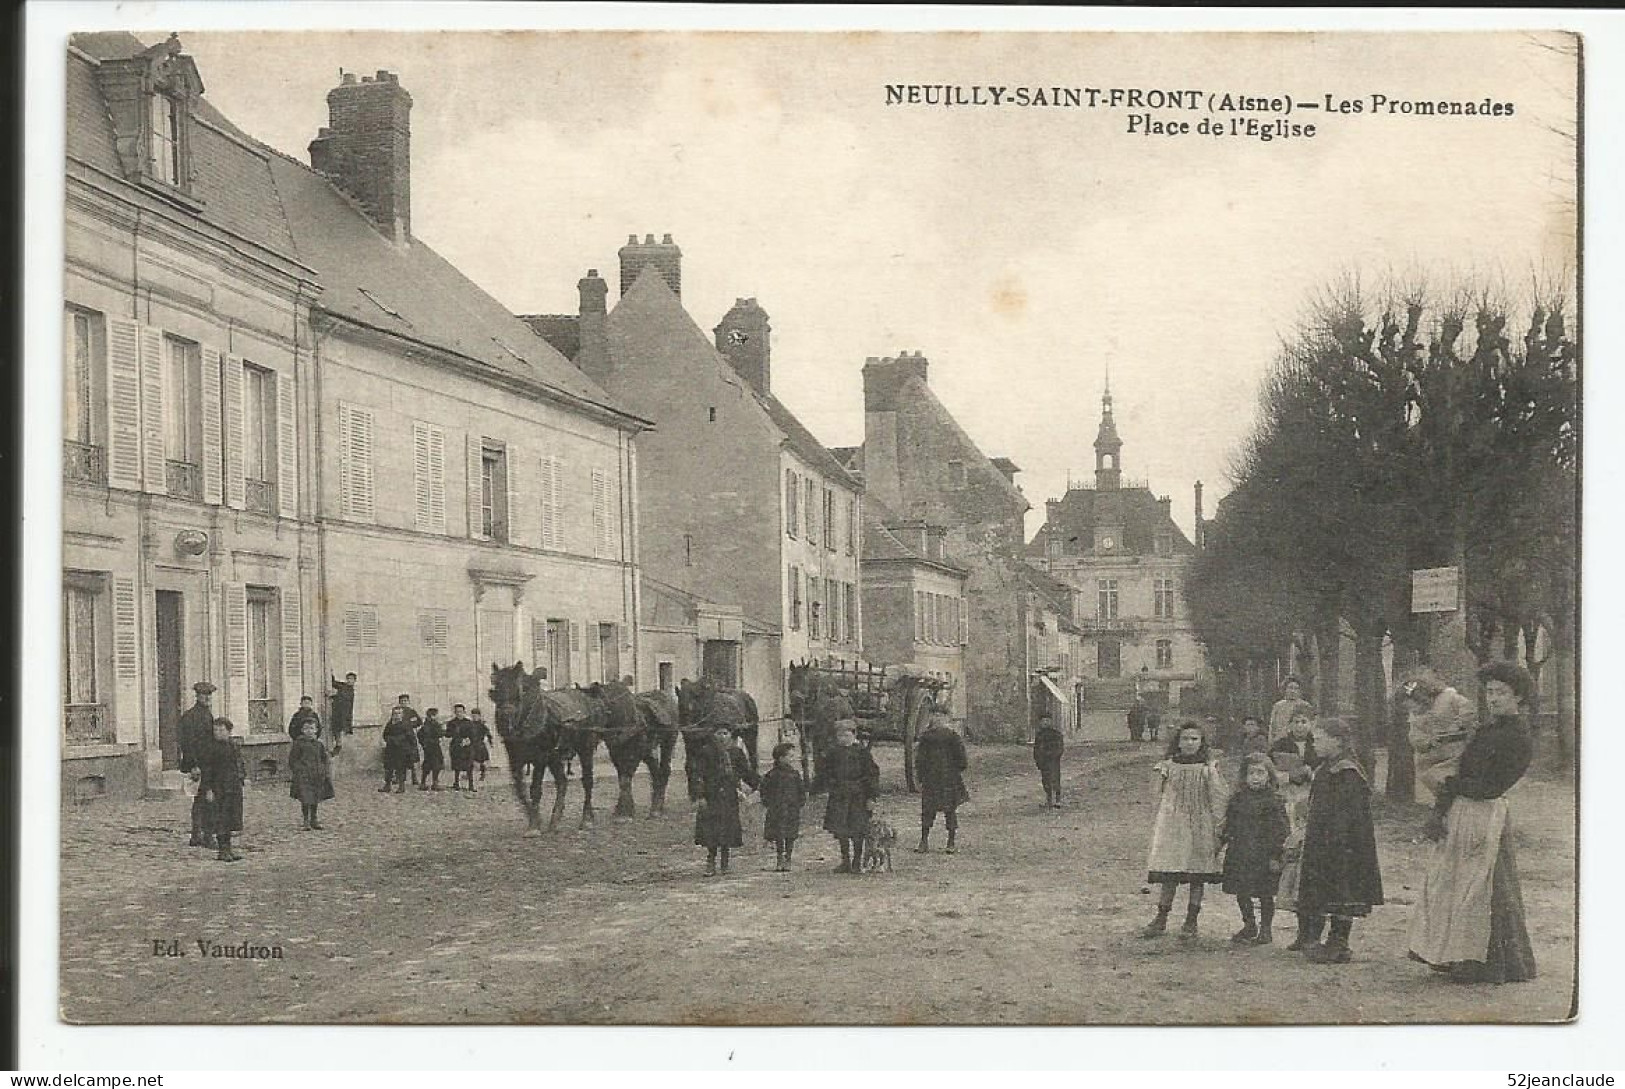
(481, 735)
(1048, 746)
(1254, 834)
(1340, 876)
(716, 811)
(311, 771)
(939, 759)
(400, 748)
(852, 778)
(434, 757)
(221, 785)
(460, 740)
(783, 794)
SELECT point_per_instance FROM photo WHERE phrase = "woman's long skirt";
(1470, 910)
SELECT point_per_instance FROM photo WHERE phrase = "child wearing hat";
(716, 812)
(434, 757)
(1254, 837)
(311, 773)
(221, 786)
(852, 778)
(460, 740)
(783, 793)
(399, 747)
(306, 713)
(1340, 878)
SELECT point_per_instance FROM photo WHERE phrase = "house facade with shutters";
(298, 442)
(189, 545)
(1116, 545)
(741, 508)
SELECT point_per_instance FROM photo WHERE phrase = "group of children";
(410, 741)
(847, 771)
(1295, 833)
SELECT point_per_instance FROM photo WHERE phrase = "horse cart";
(892, 703)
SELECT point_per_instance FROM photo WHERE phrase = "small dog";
(877, 845)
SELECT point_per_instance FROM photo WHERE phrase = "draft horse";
(544, 730)
(816, 704)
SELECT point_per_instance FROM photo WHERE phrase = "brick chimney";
(744, 338)
(593, 357)
(883, 379)
(366, 148)
(1199, 531)
(663, 255)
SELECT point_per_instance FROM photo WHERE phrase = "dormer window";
(149, 100)
(163, 142)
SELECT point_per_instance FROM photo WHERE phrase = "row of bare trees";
(1401, 429)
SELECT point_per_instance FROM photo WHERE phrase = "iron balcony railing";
(184, 480)
(83, 462)
(260, 495)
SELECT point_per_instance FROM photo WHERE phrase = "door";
(720, 662)
(668, 684)
(1110, 659)
(171, 674)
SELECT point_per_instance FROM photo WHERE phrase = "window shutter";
(293, 673)
(123, 404)
(154, 471)
(603, 533)
(476, 491)
(555, 503)
(538, 643)
(437, 480)
(234, 600)
(576, 664)
(213, 475)
(287, 450)
(421, 476)
(546, 498)
(355, 463)
(231, 385)
(127, 707)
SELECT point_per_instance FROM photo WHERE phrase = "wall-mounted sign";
(1435, 589)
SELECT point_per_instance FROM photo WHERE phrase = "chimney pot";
(631, 240)
(648, 240)
(349, 79)
(592, 272)
(365, 148)
(666, 241)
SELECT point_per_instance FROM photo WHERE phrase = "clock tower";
(1108, 447)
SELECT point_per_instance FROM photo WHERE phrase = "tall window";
(795, 598)
(1165, 653)
(164, 149)
(83, 638)
(1164, 598)
(835, 609)
(1106, 603)
(829, 519)
(429, 476)
(603, 516)
(85, 359)
(811, 511)
(355, 462)
(919, 616)
(851, 526)
(792, 503)
(558, 653)
(183, 418)
(815, 607)
(259, 438)
(494, 492)
(609, 652)
(264, 656)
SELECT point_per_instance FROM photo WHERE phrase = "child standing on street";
(1340, 878)
(434, 757)
(783, 794)
(221, 785)
(399, 745)
(852, 778)
(481, 754)
(1254, 832)
(1185, 833)
(460, 739)
(311, 772)
(716, 812)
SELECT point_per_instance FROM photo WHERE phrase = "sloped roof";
(1136, 512)
(1056, 594)
(231, 172)
(264, 195)
(563, 331)
(649, 308)
(689, 602)
(881, 545)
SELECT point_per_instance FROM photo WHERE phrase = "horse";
(816, 704)
(652, 747)
(704, 705)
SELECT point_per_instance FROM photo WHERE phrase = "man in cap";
(413, 720)
(342, 702)
(197, 732)
(940, 761)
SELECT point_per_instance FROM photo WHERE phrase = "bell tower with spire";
(1108, 447)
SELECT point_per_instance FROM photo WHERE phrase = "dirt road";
(435, 908)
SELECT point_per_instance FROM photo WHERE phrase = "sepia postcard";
(785, 528)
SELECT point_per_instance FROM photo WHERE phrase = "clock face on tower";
(1106, 543)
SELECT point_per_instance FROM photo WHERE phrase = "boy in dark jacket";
(310, 772)
(460, 740)
(1340, 879)
(434, 757)
(940, 760)
(783, 794)
(716, 812)
(221, 786)
(1048, 746)
(852, 778)
(400, 747)
(342, 709)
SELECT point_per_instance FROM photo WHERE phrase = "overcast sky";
(1024, 251)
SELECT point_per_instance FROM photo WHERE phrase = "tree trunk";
(1369, 704)
(1401, 785)
(1328, 642)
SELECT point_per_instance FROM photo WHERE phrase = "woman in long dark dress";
(722, 768)
(1469, 918)
(852, 778)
